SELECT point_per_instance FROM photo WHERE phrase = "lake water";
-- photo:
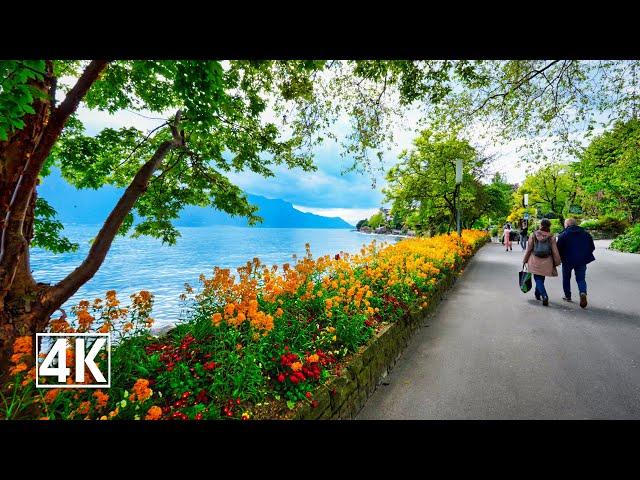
(145, 264)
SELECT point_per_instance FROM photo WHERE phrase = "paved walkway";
(491, 352)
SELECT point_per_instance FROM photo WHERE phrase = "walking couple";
(573, 249)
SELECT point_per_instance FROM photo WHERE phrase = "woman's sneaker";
(583, 300)
(567, 299)
(545, 301)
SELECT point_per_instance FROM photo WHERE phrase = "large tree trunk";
(22, 157)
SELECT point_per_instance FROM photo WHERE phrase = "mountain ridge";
(91, 207)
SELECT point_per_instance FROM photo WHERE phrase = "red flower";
(308, 395)
(210, 365)
(201, 397)
(314, 404)
(294, 379)
(281, 377)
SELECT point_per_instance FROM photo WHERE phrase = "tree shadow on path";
(592, 314)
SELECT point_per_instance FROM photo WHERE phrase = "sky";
(325, 191)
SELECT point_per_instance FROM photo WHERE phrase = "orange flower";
(23, 344)
(21, 367)
(229, 308)
(216, 318)
(279, 312)
(313, 358)
(142, 390)
(83, 408)
(154, 413)
(101, 399)
(51, 395)
(127, 326)
(296, 366)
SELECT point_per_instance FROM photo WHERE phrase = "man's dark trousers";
(581, 272)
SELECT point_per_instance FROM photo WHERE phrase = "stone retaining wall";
(342, 397)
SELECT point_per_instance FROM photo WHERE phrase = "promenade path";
(491, 352)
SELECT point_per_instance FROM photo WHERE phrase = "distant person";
(576, 250)
(507, 237)
(542, 257)
(524, 232)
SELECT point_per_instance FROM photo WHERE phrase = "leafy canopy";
(224, 117)
(609, 172)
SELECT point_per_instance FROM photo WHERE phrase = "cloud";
(350, 215)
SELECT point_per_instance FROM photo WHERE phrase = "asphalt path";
(491, 352)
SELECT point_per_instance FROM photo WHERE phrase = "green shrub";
(556, 227)
(612, 225)
(590, 224)
(629, 241)
(494, 232)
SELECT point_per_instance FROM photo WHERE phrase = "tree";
(549, 106)
(551, 188)
(362, 223)
(376, 220)
(498, 198)
(609, 172)
(211, 122)
(424, 180)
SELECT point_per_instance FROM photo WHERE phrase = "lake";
(146, 264)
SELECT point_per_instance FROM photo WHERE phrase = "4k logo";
(86, 348)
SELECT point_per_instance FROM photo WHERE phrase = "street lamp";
(458, 183)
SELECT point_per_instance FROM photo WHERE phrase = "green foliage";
(552, 189)
(629, 241)
(362, 223)
(422, 185)
(376, 220)
(610, 172)
(223, 125)
(47, 230)
(17, 92)
(590, 224)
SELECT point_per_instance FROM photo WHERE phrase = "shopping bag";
(524, 279)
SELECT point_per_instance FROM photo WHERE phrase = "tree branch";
(62, 291)
(518, 84)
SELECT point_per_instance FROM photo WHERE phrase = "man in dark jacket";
(576, 250)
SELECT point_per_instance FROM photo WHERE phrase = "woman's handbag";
(524, 279)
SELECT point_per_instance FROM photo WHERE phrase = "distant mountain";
(92, 207)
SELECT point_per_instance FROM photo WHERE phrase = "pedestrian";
(576, 250)
(542, 257)
(507, 237)
(524, 232)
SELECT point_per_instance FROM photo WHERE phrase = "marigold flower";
(83, 408)
(279, 312)
(313, 358)
(23, 344)
(21, 367)
(51, 395)
(296, 366)
(216, 318)
(141, 390)
(154, 413)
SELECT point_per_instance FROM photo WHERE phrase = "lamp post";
(458, 183)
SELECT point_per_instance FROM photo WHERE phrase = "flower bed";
(264, 344)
